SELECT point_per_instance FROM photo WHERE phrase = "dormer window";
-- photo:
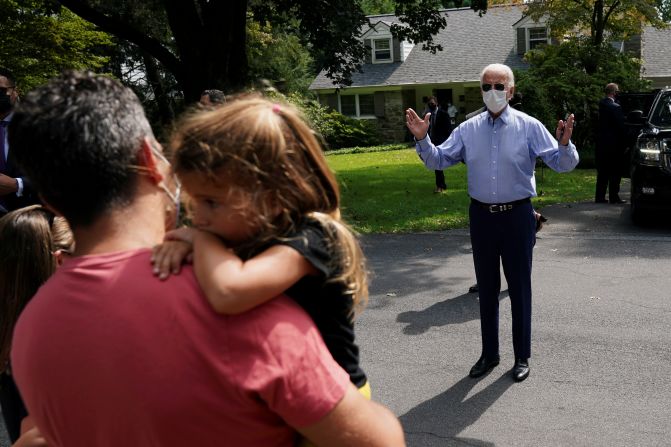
(530, 35)
(537, 36)
(382, 50)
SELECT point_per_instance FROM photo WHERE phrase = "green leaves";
(40, 39)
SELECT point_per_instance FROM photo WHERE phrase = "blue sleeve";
(544, 145)
(449, 153)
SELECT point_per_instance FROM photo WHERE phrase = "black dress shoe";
(600, 201)
(483, 366)
(617, 201)
(520, 370)
(473, 289)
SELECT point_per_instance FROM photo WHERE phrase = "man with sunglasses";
(15, 190)
(500, 149)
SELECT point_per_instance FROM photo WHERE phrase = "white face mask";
(495, 100)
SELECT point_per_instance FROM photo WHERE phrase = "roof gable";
(470, 43)
(378, 28)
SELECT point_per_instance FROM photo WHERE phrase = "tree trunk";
(165, 110)
(211, 40)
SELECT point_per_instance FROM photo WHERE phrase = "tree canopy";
(618, 18)
(203, 44)
(40, 39)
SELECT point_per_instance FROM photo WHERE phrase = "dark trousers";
(440, 180)
(506, 238)
(608, 175)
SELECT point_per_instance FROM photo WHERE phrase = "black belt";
(498, 207)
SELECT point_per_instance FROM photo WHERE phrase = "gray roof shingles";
(656, 52)
(469, 44)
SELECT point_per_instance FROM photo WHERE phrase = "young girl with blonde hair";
(265, 211)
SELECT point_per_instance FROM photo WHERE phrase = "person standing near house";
(439, 131)
(500, 150)
(610, 146)
(431, 111)
(453, 112)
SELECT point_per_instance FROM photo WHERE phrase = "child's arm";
(234, 286)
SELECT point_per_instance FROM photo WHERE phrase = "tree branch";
(610, 11)
(122, 30)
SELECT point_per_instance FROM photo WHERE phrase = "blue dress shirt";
(500, 154)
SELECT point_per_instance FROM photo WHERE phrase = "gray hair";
(499, 68)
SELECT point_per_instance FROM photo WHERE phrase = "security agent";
(500, 150)
(15, 190)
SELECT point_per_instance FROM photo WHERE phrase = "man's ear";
(511, 92)
(59, 255)
(147, 159)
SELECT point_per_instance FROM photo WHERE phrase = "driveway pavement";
(601, 350)
(601, 345)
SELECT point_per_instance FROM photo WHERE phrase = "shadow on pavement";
(438, 421)
(451, 311)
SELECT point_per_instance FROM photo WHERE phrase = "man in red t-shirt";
(106, 355)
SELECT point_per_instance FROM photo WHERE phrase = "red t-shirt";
(108, 355)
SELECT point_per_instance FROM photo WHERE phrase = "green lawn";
(392, 192)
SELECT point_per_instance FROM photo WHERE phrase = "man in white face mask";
(500, 147)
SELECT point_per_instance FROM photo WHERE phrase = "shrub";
(337, 129)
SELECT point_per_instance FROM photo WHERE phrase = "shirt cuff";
(423, 144)
(19, 186)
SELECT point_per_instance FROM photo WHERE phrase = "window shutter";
(396, 50)
(369, 51)
(521, 41)
(379, 104)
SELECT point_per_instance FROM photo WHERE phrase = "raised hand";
(416, 125)
(565, 130)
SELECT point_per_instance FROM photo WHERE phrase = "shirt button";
(493, 178)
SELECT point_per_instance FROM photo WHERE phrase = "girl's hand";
(169, 256)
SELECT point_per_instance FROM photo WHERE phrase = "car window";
(661, 116)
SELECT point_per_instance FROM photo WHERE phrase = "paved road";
(601, 339)
(601, 349)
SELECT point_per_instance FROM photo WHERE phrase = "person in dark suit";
(15, 190)
(432, 108)
(441, 128)
(610, 140)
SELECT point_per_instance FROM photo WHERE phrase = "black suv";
(651, 157)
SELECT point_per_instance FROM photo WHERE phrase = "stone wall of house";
(391, 126)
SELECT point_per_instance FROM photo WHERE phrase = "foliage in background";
(206, 42)
(278, 56)
(664, 7)
(392, 192)
(337, 129)
(601, 20)
(557, 83)
(374, 7)
(40, 39)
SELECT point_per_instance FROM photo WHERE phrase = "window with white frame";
(357, 105)
(382, 50)
(537, 36)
